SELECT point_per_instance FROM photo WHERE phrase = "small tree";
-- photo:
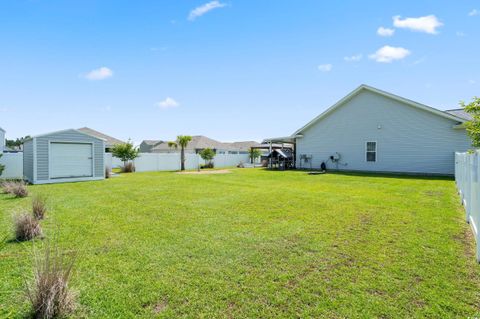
(173, 145)
(254, 154)
(207, 154)
(2, 167)
(125, 152)
(473, 126)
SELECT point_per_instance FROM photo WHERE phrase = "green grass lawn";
(255, 244)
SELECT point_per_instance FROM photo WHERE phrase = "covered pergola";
(279, 143)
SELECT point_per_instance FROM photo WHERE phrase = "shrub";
(128, 168)
(26, 227)
(39, 207)
(19, 189)
(108, 172)
(49, 292)
(208, 165)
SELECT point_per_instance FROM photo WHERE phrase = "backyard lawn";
(254, 244)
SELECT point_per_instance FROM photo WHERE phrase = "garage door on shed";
(71, 160)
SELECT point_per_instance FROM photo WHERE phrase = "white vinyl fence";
(147, 162)
(13, 165)
(467, 180)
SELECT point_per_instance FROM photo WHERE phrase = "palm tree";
(182, 141)
(173, 145)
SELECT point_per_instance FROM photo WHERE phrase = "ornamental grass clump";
(18, 189)
(26, 227)
(39, 207)
(49, 292)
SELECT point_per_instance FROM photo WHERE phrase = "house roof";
(151, 142)
(197, 142)
(109, 141)
(365, 87)
(459, 113)
(1, 129)
(202, 142)
(243, 146)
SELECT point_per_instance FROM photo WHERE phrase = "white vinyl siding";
(42, 166)
(412, 140)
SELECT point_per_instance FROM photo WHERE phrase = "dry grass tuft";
(108, 172)
(128, 168)
(49, 292)
(19, 189)
(39, 207)
(27, 227)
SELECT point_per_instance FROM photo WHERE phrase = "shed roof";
(109, 141)
(61, 131)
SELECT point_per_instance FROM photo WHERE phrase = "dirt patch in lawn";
(218, 171)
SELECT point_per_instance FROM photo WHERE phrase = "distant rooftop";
(201, 142)
(109, 141)
(459, 113)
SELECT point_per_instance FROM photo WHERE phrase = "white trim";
(67, 180)
(385, 94)
(367, 151)
(34, 145)
(68, 142)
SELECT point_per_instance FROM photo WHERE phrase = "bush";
(19, 189)
(26, 227)
(108, 172)
(49, 292)
(128, 168)
(39, 207)
(208, 165)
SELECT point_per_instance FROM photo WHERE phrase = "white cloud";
(99, 74)
(472, 82)
(474, 12)
(168, 103)
(385, 32)
(428, 24)
(388, 54)
(200, 11)
(325, 67)
(353, 58)
(460, 34)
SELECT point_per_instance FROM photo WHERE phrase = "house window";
(371, 151)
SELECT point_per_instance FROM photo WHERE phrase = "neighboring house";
(64, 156)
(372, 130)
(197, 144)
(110, 142)
(2, 140)
(147, 145)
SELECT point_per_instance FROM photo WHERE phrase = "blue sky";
(231, 70)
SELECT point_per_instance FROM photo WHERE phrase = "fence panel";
(467, 170)
(147, 162)
(13, 165)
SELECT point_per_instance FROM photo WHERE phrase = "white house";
(2, 139)
(372, 130)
